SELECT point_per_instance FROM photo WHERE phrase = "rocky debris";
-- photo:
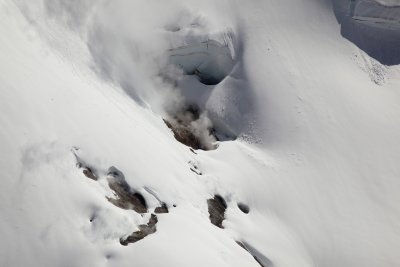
(243, 207)
(161, 209)
(192, 128)
(184, 134)
(260, 258)
(144, 230)
(216, 208)
(89, 173)
(126, 198)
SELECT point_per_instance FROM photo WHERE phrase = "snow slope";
(316, 158)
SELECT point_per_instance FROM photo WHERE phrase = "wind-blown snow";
(317, 120)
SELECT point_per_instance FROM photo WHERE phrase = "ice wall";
(374, 26)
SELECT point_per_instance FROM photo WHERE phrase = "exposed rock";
(192, 128)
(125, 197)
(184, 135)
(127, 200)
(259, 257)
(216, 209)
(144, 230)
(89, 173)
(162, 209)
(80, 164)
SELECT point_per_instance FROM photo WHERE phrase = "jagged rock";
(89, 173)
(162, 209)
(125, 198)
(262, 260)
(216, 209)
(183, 134)
(80, 164)
(144, 230)
(183, 126)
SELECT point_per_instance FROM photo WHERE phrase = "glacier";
(302, 97)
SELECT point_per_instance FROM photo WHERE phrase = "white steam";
(126, 43)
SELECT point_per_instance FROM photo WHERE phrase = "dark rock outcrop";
(126, 198)
(161, 209)
(144, 230)
(216, 208)
(187, 129)
(258, 256)
(89, 173)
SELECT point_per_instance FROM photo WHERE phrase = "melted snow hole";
(210, 60)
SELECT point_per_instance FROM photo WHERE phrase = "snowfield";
(302, 108)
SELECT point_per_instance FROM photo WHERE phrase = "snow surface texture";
(316, 160)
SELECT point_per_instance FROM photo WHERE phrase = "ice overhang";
(209, 60)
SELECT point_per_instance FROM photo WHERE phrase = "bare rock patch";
(192, 128)
(125, 197)
(260, 258)
(216, 208)
(161, 209)
(144, 230)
